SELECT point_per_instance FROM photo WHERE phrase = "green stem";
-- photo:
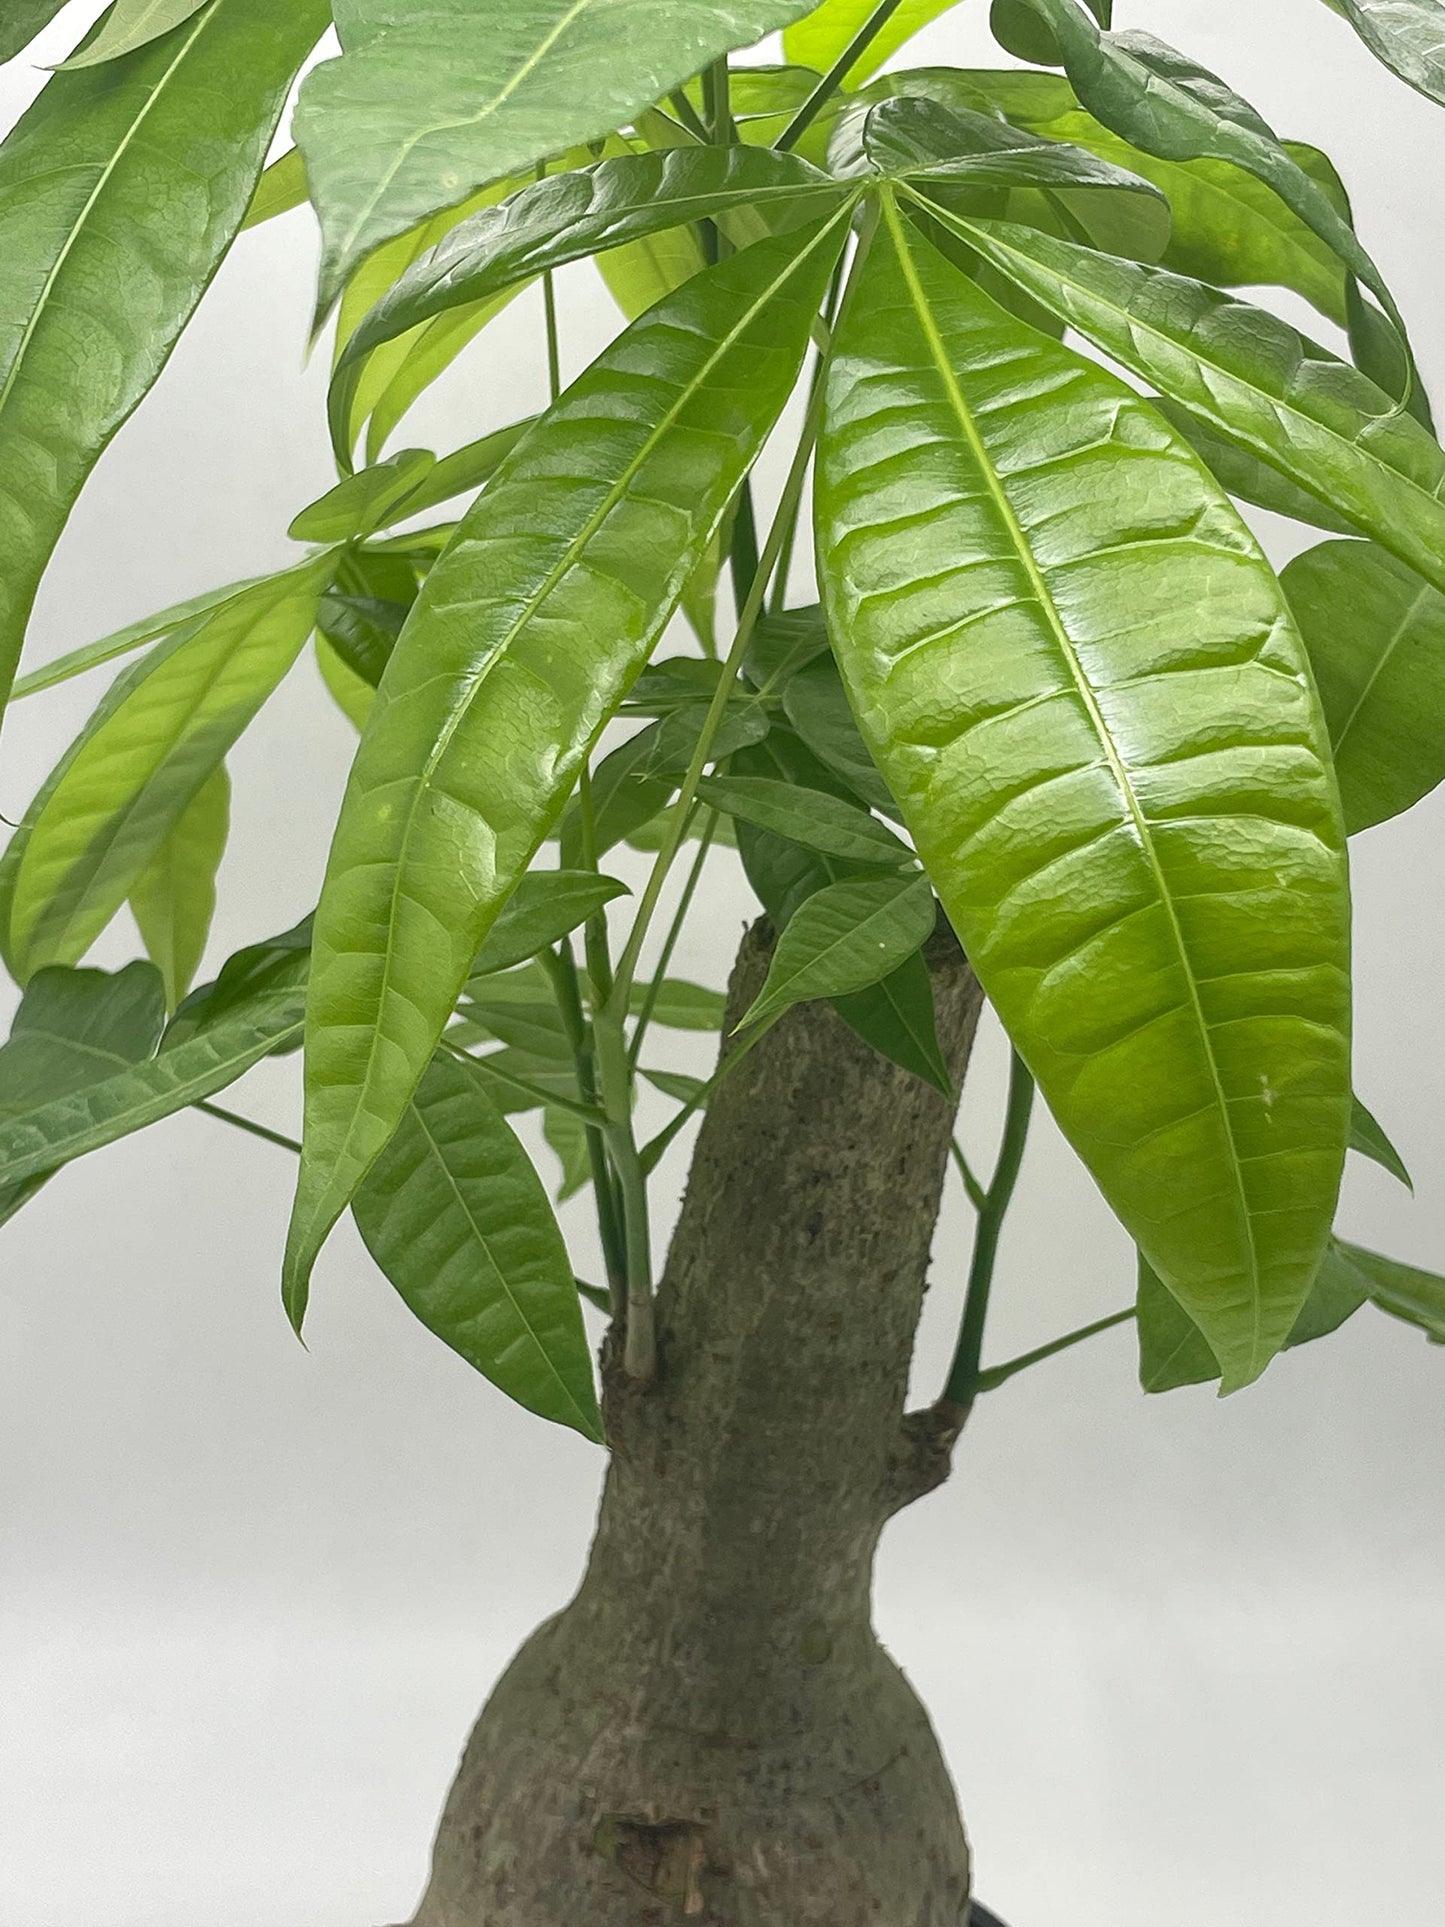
(563, 971)
(837, 74)
(977, 1196)
(684, 904)
(687, 114)
(743, 547)
(998, 1375)
(963, 1378)
(247, 1124)
(523, 1086)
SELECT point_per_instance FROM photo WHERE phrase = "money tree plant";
(1050, 732)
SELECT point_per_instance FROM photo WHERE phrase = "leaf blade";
(843, 939)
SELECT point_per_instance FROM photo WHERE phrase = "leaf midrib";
(1049, 609)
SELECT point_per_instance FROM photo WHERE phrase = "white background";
(1185, 1656)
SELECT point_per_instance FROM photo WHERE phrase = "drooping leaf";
(545, 907)
(73, 1028)
(1408, 35)
(811, 817)
(366, 501)
(117, 793)
(1252, 379)
(21, 21)
(426, 105)
(125, 642)
(1368, 1138)
(1174, 1352)
(1376, 636)
(525, 639)
(57, 1129)
(843, 939)
(566, 1135)
(1405, 1291)
(129, 25)
(896, 1016)
(565, 217)
(1133, 828)
(183, 125)
(174, 897)
(459, 1221)
(826, 34)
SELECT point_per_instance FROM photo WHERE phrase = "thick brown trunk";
(711, 1728)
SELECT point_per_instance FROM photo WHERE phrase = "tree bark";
(711, 1729)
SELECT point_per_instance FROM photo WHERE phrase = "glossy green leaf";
(1376, 636)
(526, 637)
(362, 631)
(125, 782)
(422, 358)
(829, 30)
(125, 642)
(280, 189)
(843, 939)
(1405, 1291)
(174, 897)
(1163, 101)
(566, 1136)
(59, 1128)
(1368, 1138)
(428, 103)
(278, 963)
(1134, 829)
(22, 20)
(546, 906)
(565, 217)
(182, 126)
(73, 1028)
(1242, 474)
(807, 816)
(352, 694)
(680, 1005)
(1408, 35)
(1174, 1352)
(130, 25)
(459, 1221)
(1252, 379)
(364, 502)
(1226, 227)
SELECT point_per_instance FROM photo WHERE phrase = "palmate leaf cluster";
(1049, 688)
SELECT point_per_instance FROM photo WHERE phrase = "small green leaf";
(276, 964)
(131, 24)
(817, 706)
(624, 798)
(672, 741)
(466, 469)
(896, 1016)
(844, 938)
(458, 1219)
(566, 1135)
(280, 189)
(352, 694)
(545, 907)
(174, 897)
(806, 816)
(1370, 1141)
(681, 1005)
(366, 501)
(1404, 1291)
(534, 1028)
(687, 1090)
(782, 644)
(1376, 636)
(1407, 35)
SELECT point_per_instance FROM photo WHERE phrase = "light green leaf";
(1376, 636)
(566, 1135)
(54, 1131)
(94, 287)
(1370, 1141)
(352, 694)
(427, 104)
(73, 1028)
(1242, 474)
(280, 189)
(124, 642)
(545, 907)
(682, 1006)
(126, 781)
(687, 1090)
(829, 30)
(278, 963)
(174, 897)
(527, 635)
(21, 21)
(1252, 379)
(1404, 1291)
(459, 1221)
(129, 25)
(844, 938)
(1174, 1352)
(1408, 35)
(807, 816)
(467, 469)
(369, 500)
(1134, 829)
(421, 358)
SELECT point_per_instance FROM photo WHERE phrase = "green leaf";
(527, 635)
(566, 1135)
(278, 963)
(468, 468)
(896, 1016)
(73, 1028)
(129, 777)
(421, 359)
(816, 704)
(174, 897)
(1174, 1352)
(624, 798)
(1407, 35)
(843, 939)
(1242, 474)
(54, 1131)
(829, 30)
(782, 644)
(182, 126)
(129, 25)
(672, 741)
(681, 1005)
(352, 694)
(1252, 379)
(1161, 100)
(1134, 830)
(1404, 1291)
(565, 217)
(546, 906)
(810, 817)
(280, 189)
(426, 105)
(369, 500)
(518, 1081)
(1376, 637)
(1370, 1141)
(459, 1221)
(21, 21)
(687, 1090)
(533, 1028)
